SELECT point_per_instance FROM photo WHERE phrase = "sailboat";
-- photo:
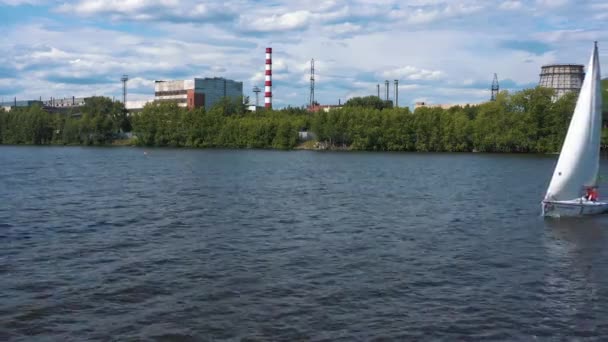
(573, 187)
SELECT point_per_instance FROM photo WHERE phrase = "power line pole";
(312, 83)
(124, 80)
(396, 93)
(257, 91)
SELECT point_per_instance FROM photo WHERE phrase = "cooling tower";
(562, 77)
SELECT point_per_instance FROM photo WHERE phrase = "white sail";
(579, 160)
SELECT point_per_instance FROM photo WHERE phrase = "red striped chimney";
(268, 82)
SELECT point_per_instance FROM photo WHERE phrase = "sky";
(440, 51)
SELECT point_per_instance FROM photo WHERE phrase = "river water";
(164, 244)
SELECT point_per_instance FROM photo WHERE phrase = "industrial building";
(562, 77)
(65, 102)
(199, 92)
(136, 105)
(443, 105)
(7, 106)
(325, 108)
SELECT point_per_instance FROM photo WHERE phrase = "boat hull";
(573, 208)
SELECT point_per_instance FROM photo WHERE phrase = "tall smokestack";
(396, 93)
(386, 84)
(268, 82)
(378, 85)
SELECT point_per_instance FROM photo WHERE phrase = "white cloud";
(552, 3)
(276, 23)
(442, 11)
(445, 51)
(414, 74)
(344, 28)
(151, 10)
(566, 37)
(600, 6)
(510, 5)
(20, 2)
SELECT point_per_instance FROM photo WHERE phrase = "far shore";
(311, 145)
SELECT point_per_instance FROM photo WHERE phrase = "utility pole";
(124, 80)
(312, 83)
(396, 93)
(495, 88)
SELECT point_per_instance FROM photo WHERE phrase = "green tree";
(368, 102)
(526, 121)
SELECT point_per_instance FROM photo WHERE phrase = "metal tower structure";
(124, 80)
(396, 93)
(495, 88)
(311, 98)
(257, 92)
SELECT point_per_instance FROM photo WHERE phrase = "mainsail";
(579, 160)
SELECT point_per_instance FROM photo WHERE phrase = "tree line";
(226, 125)
(525, 121)
(98, 122)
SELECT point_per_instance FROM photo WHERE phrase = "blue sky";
(440, 51)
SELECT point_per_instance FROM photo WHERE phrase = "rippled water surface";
(115, 244)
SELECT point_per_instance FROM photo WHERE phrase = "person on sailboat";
(591, 194)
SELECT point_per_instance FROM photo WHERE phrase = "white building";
(443, 105)
(134, 106)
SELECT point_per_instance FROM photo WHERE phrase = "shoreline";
(306, 146)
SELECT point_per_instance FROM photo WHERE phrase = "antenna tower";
(257, 92)
(312, 83)
(495, 88)
(124, 80)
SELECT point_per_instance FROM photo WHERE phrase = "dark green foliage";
(526, 121)
(99, 122)
(605, 96)
(26, 126)
(605, 105)
(225, 125)
(369, 102)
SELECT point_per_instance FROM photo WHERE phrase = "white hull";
(579, 207)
